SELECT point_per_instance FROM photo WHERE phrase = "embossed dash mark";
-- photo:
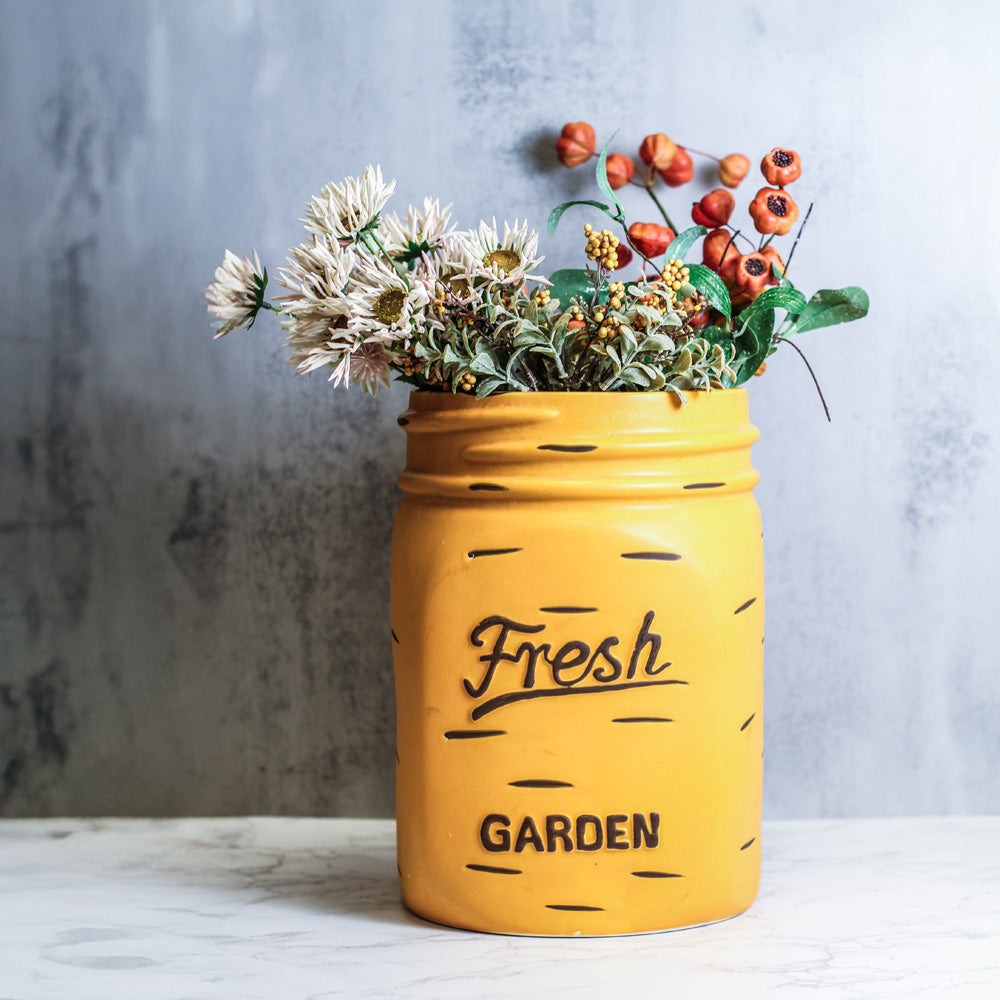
(479, 553)
(402, 421)
(656, 875)
(568, 447)
(493, 870)
(748, 843)
(488, 487)
(703, 486)
(568, 906)
(643, 718)
(473, 734)
(747, 723)
(539, 783)
(745, 605)
(395, 638)
(569, 610)
(664, 556)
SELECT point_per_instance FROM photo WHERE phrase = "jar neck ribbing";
(547, 445)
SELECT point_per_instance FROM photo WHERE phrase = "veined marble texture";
(308, 909)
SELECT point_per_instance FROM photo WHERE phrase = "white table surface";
(309, 908)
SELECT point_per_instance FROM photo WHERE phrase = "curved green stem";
(656, 201)
(395, 265)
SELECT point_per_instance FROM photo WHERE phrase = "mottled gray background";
(194, 546)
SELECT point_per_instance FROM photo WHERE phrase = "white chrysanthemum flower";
(317, 278)
(443, 278)
(341, 211)
(382, 303)
(308, 352)
(235, 297)
(370, 366)
(506, 259)
(419, 233)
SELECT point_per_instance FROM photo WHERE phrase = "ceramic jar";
(577, 628)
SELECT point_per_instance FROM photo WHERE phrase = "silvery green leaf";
(484, 364)
(487, 385)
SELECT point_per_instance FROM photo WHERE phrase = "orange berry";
(650, 238)
(716, 243)
(714, 209)
(657, 151)
(576, 144)
(773, 211)
(732, 169)
(620, 170)
(781, 166)
(680, 171)
(752, 272)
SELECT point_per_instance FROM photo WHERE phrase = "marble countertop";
(309, 908)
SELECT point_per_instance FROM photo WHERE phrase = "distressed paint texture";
(194, 547)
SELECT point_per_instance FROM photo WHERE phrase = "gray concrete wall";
(194, 546)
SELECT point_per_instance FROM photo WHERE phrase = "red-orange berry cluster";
(772, 209)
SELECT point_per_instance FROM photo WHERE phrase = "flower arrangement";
(371, 294)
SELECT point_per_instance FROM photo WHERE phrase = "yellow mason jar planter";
(577, 624)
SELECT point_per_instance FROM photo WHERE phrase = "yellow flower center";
(389, 306)
(505, 260)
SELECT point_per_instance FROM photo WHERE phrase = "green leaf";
(683, 242)
(761, 327)
(830, 306)
(787, 298)
(602, 182)
(569, 283)
(556, 214)
(710, 285)
(717, 335)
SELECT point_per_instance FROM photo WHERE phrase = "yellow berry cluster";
(542, 296)
(411, 366)
(602, 247)
(675, 274)
(659, 301)
(467, 383)
(616, 291)
(608, 325)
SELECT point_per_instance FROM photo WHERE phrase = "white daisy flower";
(236, 295)
(369, 365)
(506, 259)
(317, 278)
(382, 303)
(341, 211)
(419, 233)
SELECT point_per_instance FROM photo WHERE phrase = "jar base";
(457, 926)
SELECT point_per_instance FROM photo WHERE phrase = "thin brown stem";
(698, 152)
